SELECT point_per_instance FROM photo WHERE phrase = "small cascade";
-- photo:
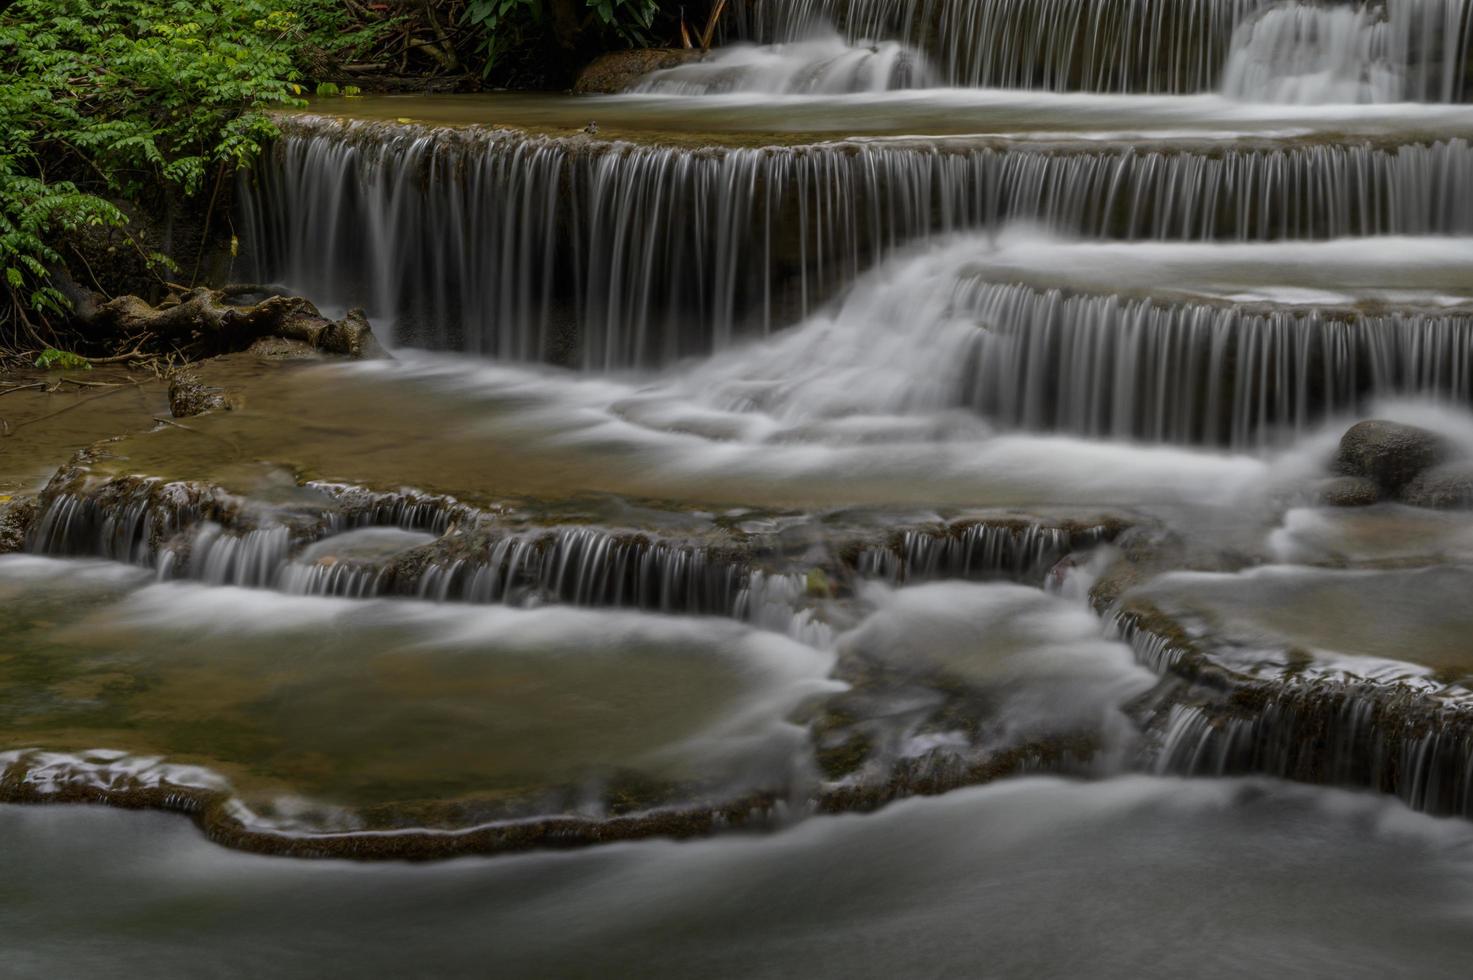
(589, 566)
(825, 65)
(125, 520)
(1383, 725)
(977, 552)
(344, 579)
(1270, 51)
(781, 602)
(1336, 735)
(1198, 373)
(613, 255)
(1307, 53)
(254, 559)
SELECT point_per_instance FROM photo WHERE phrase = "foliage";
(105, 105)
(503, 23)
(103, 101)
(60, 360)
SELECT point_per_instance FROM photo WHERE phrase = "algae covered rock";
(189, 396)
(17, 514)
(1388, 453)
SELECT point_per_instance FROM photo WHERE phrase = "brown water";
(40, 427)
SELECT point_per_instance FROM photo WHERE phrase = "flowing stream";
(860, 502)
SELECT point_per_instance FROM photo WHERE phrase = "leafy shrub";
(105, 100)
(504, 23)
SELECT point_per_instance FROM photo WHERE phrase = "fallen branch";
(133, 355)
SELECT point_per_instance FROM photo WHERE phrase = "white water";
(1311, 54)
(819, 65)
(1132, 877)
(1264, 50)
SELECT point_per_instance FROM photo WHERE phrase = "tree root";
(204, 322)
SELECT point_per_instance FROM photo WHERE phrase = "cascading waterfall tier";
(1166, 356)
(1196, 373)
(1275, 51)
(362, 544)
(613, 255)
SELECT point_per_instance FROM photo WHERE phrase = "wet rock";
(1445, 487)
(17, 514)
(1349, 491)
(1388, 453)
(616, 71)
(189, 396)
(351, 337)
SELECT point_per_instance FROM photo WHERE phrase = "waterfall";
(976, 552)
(1298, 52)
(1055, 45)
(1203, 374)
(1301, 53)
(610, 255)
(590, 566)
(1350, 737)
(1105, 364)
(814, 65)
(1410, 49)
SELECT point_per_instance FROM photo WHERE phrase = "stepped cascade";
(1270, 50)
(901, 417)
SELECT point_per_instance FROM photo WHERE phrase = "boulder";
(1445, 487)
(1349, 491)
(1388, 453)
(615, 72)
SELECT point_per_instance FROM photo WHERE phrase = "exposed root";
(205, 322)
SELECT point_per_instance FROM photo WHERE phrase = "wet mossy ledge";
(517, 550)
(634, 810)
(1271, 708)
